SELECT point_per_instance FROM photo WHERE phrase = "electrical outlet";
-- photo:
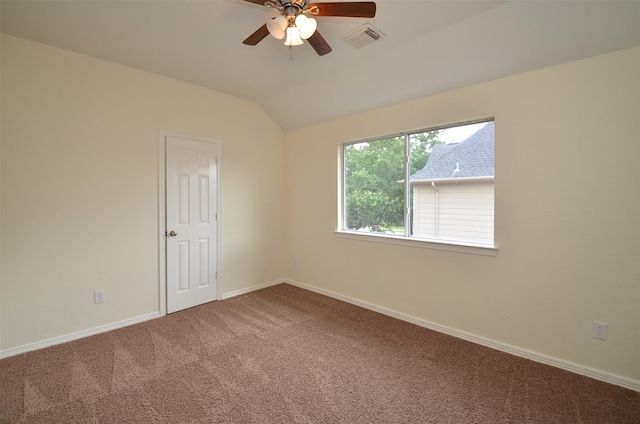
(600, 330)
(98, 296)
(294, 262)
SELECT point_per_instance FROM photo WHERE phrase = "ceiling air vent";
(363, 35)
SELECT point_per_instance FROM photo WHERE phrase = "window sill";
(475, 249)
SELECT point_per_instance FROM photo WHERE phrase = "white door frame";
(162, 212)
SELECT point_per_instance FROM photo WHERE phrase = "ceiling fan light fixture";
(306, 25)
(276, 26)
(293, 37)
(296, 20)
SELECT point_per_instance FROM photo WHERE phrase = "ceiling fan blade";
(261, 2)
(319, 44)
(257, 36)
(349, 9)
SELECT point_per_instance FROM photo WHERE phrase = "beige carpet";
(286, 355)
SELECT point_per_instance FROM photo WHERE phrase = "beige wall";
(566, 216)
(80, 149)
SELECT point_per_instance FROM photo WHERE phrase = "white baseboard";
(252, 288)
(77, 335)
(524, 353)
(113, 326)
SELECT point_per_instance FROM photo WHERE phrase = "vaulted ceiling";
(428, 47)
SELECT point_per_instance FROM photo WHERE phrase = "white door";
(191, 227)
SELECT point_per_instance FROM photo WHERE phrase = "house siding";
(462, 212)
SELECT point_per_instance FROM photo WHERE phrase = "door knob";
(172, 234)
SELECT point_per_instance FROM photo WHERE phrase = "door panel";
(191, 211)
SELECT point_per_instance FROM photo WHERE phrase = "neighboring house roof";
(473, 157)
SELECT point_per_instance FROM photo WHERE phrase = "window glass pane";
(450, 185)
(452, 190)
(420, 147)
(374, 186)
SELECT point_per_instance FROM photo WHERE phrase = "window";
(434, 185)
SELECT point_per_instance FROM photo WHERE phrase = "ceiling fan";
(294, 23)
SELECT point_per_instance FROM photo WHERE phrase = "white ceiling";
(430, 46)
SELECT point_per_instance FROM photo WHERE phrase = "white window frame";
(407, 239)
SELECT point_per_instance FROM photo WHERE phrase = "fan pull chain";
(290, 52)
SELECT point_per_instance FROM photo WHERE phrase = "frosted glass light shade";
(306, 25)
(293, 37)
(276, 26)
